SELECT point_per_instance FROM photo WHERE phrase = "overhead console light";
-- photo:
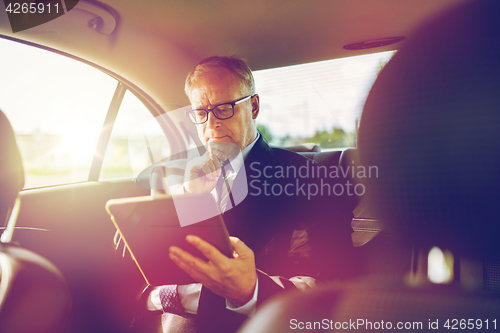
(105, 22)
(373, 43)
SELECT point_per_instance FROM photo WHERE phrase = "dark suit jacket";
(291, 234)
(276, 221)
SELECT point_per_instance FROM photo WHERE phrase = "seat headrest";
(431, 124)
(11, 167)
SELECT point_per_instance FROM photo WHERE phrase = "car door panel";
(76, 234)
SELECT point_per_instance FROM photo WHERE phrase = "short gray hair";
(236, 65)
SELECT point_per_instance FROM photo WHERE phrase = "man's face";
(217, 87)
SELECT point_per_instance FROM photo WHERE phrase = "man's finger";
(215, 165)
(191, 270)
(207, 170)
(189, 260)
(218, 164)
(241, 249)
(207, 249)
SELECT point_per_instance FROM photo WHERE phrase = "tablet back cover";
(150, 225)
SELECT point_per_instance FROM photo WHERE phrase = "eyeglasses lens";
(224, 111)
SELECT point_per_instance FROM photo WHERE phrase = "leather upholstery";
(33, 294)
(430, 124)
(11, 168)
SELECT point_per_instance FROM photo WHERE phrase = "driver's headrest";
(431, 124)
(11, 168)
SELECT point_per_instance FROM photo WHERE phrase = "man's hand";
(202, 174)
(231, 278)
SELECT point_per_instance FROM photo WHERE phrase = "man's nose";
(212, 121)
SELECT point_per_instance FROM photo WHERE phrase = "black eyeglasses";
(221, 111)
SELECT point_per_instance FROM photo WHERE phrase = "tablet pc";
(150, 225)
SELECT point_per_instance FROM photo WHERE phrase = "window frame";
(171, 132)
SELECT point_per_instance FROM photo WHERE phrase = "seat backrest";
(11, 168)
(33, 294)
(430, 124)
(326, 158)
(304, 148)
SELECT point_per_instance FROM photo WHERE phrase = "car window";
(137, 141)
(58, 106)
(317, 102)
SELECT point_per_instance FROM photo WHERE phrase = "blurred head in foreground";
(431, 125)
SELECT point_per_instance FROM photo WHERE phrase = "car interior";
(426, 196)
(26, 277)
(95, 96)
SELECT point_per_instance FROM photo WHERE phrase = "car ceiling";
(156, 42)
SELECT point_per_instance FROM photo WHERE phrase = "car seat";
(431, 126)
(33, 294)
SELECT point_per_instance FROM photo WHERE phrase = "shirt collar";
(250, 146)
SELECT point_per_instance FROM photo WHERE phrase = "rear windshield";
(318, 102)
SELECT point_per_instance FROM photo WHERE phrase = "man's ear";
(255, 106)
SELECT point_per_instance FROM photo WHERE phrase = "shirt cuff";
(189, 295)
(249, 308)
(153, 302)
